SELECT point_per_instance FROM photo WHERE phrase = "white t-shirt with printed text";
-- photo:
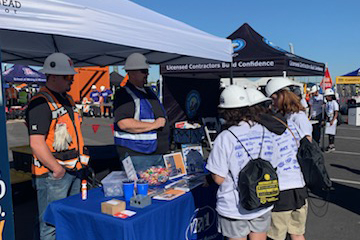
(228, 154)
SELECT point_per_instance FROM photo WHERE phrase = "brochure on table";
(175, 162)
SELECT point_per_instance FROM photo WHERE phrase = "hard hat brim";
(72, 72)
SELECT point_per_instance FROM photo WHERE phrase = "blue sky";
(323, 31)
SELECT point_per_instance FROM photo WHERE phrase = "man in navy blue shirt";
(106, 99)
(95, 99)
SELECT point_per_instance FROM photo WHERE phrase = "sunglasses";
(144, 71)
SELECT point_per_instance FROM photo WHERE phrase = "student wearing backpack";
(332, 113)
(290, 212)
(229, 156)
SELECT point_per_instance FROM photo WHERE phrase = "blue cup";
(128, 188)
(142, 187)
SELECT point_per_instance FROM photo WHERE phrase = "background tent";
(254, 56)
(21, 74)
(116, 78)
(348, 86)
(92, 33)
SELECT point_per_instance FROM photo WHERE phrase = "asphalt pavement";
(335, 219)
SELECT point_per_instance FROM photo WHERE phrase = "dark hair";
(250, 115)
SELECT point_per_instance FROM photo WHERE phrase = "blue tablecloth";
(190, 216)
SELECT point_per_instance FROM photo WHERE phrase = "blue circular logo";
(273, 45)
(238, 44)
(192, 104)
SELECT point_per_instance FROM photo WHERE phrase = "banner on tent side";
(347, 80)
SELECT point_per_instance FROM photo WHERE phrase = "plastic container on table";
(113, 183)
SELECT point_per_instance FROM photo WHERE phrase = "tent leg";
(160, 89)
(231, 74)
(6, 208)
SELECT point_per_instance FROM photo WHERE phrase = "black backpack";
(257, 184)
(312, 164)
(311, 161)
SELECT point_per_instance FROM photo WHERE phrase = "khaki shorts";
(292, 222)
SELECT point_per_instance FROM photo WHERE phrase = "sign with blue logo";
(202, 223)
(238, 44)
(192, 103)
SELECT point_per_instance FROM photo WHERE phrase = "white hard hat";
(329, 92)
(102, 88)
(314, 89)
(234, 96)
(277, 83)
(255, 96)
(58, 64)
(93, 87)
(136, 61)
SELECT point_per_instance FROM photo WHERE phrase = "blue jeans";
(49, 189)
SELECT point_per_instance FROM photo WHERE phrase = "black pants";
(316, 134)
(108, 110)
(331, 139)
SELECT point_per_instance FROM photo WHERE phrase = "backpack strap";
(283, 123)
(262, 141)
(241, 144)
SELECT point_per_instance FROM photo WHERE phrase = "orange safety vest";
(11, 93)
(75, 157)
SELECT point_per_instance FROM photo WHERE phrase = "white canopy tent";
(92, 33)
(100, 33)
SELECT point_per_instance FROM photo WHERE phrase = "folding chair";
(212, 127)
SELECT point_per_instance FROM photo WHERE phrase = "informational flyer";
(175, 163)
(129, 168)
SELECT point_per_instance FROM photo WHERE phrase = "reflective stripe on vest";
(140, 142)
(73, 158)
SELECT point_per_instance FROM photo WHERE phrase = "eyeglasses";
(144, 71)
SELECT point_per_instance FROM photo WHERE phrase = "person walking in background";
(106, 95)
(332, 113)
(11, 95)
(95, 101)
(141, 129)
(55, 138)
(228, 157)
(316, 111)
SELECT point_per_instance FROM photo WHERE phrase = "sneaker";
(330, 149)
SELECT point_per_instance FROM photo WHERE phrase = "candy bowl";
(155, 175)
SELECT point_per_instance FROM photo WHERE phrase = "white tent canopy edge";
(100, 33)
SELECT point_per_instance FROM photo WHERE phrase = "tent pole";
(160, 88)
(6, 208)
(231, 73)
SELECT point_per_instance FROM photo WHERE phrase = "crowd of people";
(255, 126)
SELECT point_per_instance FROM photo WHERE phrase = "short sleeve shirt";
(229, 157)
(106, 95)
(124, 107)
(302, 122)
(316, 103)
(331, 107)
(95, 96)
(38, 114)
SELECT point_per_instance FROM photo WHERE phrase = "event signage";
(10, 6)
(307, 66)
(189, 67)
(348, 80)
